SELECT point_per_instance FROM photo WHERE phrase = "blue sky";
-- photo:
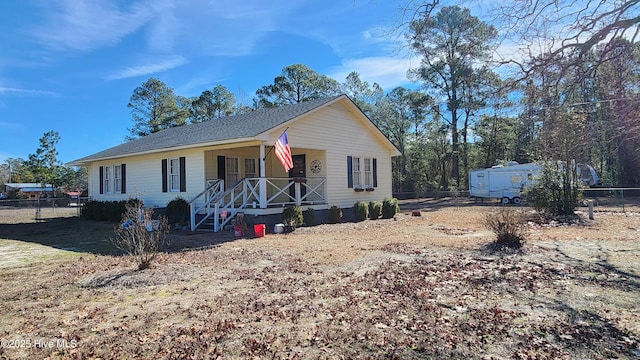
(71, 65)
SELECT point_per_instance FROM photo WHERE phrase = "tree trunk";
(455, 147)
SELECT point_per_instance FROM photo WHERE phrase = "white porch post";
(263, 180)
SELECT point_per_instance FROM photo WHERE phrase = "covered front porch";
(251, 180)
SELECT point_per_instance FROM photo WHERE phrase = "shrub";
(335, 215)
(375, 210)
(88, 210)
(103, 210)
(389, 208)
(177, 211)
(556, 191)
(138, 235)
(361, 210)
(508, 226)
(292, 215)
(309, 217)
(112, 210)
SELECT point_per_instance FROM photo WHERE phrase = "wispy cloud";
(204, 27)
(220, 27)
(388, 72)
(87, 25)
(30, 92)
(158, 66)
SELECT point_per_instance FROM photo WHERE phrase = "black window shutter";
(123, 178)
(350, 171)
(183, 174)
(375, 172)
(101, 179)
(164, 175)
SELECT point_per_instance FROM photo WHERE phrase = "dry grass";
(414, 287)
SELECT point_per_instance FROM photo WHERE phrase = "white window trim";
(117, 179)
(106, 179)
(356, 171)
(174, 175)
(254, 173)
(228, 171)
(368, 174)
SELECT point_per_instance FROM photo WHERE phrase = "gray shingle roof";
(227, 128)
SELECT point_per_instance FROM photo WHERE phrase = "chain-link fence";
(613, 199)
(65, 202)
(604, 199)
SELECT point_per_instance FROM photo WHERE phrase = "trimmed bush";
(106, 210)
(335, 215)
(361, 210)
(309, 217)
(375, 210)
(112, 210)
(88, 210)
(292, 215)
(508, 226)
(177, 211)
(389, 208)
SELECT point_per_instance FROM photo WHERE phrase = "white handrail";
(247, 191)
(213, 187)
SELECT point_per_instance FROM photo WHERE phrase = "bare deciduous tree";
(139, 235)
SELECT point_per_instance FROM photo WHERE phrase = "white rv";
(507, 182)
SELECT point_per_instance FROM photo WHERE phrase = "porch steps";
(207, 226)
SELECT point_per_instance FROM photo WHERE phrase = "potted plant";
(292, 217)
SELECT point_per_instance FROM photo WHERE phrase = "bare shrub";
(508, 225)
(139, 235)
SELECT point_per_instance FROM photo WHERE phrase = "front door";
(299, 170)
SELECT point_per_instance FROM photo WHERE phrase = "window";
(362, 173)
(368, 179)
(233, 171)
(356, 172)
(117, 179)
(250, 168)
(113, 179)
(174, 175)
(107, 179)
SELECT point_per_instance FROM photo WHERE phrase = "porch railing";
(213, 187)
(246, 194)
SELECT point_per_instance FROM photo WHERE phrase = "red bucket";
(259, 230)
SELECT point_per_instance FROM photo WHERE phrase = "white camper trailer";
(507, 182)
(503, 182)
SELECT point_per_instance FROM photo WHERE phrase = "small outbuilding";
(30, 190)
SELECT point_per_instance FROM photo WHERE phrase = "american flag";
(283, 151)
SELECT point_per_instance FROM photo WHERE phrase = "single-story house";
(227, 165)
(30, 190)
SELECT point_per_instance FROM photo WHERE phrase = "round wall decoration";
(316, 166)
